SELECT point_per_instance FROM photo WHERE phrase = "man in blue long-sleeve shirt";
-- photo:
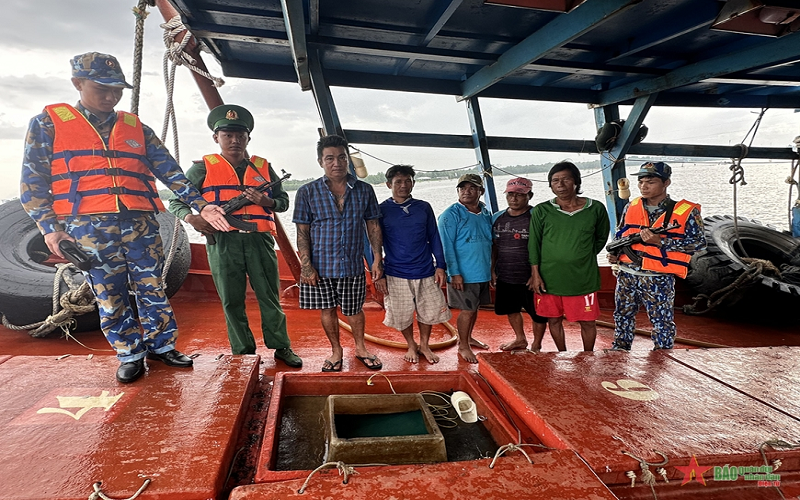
(413, 264)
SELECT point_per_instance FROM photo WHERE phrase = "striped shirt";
(337, 239)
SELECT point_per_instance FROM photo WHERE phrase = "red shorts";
(574, 308)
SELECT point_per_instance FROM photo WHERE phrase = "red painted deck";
(66, 424)
(602, 404)
(181, 427)
(556, 475)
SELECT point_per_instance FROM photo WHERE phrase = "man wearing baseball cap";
(511, 269)
(238, 255)
(647, 274)
(88, 176)
(465, 228)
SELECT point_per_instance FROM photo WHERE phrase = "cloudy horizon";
(41, 36)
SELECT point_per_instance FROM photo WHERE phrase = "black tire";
(721, 263)
(26, 284)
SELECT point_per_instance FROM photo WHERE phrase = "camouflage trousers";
(657, 295)
(127, 252)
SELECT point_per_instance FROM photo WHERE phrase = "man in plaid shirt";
(330, 214)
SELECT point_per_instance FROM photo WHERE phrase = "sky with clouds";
(40, 36)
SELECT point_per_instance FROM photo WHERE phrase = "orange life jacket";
(89, 177)
(222, 185)
(655, 258)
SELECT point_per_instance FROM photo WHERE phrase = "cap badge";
(110, 63)
(231, 115)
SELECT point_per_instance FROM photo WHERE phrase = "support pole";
(482, 151)
(613, 162)
(611, 171)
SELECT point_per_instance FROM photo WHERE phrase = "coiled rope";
(749, 277)
(175, 56)
(78, 300)
(737, 173)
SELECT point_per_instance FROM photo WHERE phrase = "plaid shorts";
(348, 292)
(406, 296)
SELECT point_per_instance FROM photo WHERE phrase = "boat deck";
(67, 423)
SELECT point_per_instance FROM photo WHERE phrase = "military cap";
(471, 178)
(658, 169)
(230, 117)
(99, 68)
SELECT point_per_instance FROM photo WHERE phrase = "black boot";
(130, 371)
(172, 358)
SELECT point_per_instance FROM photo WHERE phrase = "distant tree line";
(425, 175)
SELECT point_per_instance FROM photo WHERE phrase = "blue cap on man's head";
(655, 169)
(99, 68)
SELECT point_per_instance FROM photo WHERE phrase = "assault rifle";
(623, 245)
(242, 201)
(73, 253)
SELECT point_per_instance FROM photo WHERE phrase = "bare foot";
(477, 343)
(517, 345)
(429, 355)
(536, 347)
(468, 355)
(411, 355)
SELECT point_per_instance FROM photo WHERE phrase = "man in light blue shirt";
(466, 231)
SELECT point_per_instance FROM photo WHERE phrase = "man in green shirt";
(566, 235)
(239, 255)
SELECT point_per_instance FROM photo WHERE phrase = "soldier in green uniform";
(238, 255)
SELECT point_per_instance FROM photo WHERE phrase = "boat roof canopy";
(601, 52)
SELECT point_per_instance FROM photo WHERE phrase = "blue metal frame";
(296, 31)
(612, 162)
(555, 34)
(481, 147)
(776, 51)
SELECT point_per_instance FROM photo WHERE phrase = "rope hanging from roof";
(140, 12)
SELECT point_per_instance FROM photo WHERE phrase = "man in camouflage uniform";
(88, 175)
(647, 270)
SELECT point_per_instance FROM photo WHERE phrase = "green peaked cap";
(230, 117)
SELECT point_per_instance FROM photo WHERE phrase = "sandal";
(375, 363)
(330, 366)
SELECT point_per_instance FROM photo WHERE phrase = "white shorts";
(406, 296)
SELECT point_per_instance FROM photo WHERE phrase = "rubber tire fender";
(721, 263)
(26, 284)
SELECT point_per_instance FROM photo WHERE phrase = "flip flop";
(330, 366)
(376, 364)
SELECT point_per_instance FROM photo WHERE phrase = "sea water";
(764, 198)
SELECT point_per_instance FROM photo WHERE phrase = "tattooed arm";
(376, 242)
(307, 272)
